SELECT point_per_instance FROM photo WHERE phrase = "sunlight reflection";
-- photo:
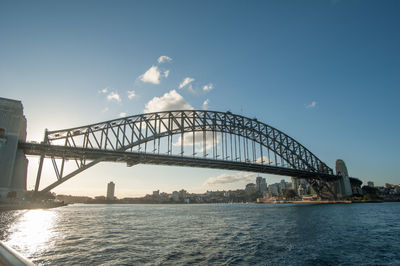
(33, 232)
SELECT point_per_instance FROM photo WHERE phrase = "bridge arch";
(231, 138)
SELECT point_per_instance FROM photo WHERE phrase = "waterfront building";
(182, 194)
(13, 162)
(110, 191)
(175, 196)
(273, 189)
(156, 193)
(301, 190)
(263, 187)
(344, 182)
(261, 184)
(250, 188)
(295, 183)
(258, 183)
(370, 184)
(282, 185)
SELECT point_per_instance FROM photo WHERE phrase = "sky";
(327, 73)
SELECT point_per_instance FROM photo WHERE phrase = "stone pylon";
(13, 162)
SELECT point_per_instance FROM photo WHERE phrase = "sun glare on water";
(33, 232)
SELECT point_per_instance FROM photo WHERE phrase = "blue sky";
(326, 73)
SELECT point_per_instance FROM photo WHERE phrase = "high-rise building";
(295, 183)
(370, 184)
(110, 191)
(13, 162)
(261, 184)
(258, 183)
(282, 185)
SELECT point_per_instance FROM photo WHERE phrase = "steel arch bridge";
(196, 138)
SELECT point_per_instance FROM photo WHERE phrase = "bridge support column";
(39, 173)
(13, 163)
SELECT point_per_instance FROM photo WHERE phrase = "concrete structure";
(13, 163)
(344, 182)
(110, 191)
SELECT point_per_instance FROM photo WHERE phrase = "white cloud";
(114, 96)
(105, 110)
(169, 101)
(152, 75)
(131, 95)
(312, 104)
(164, 58)
(205, 104)
(123, 114)
(166, 73)
(208, 87)
(185, 82)
(198, 142)
(264, 161)
(104, 91)
(230, 178)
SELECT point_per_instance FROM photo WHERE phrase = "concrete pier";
(13, 162)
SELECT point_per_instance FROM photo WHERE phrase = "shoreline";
(30, 206)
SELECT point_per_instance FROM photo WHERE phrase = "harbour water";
(244, 234)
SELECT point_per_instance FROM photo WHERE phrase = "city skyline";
(326, 74)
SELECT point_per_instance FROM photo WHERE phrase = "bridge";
(193, 138)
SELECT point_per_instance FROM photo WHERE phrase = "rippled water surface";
(262, 234)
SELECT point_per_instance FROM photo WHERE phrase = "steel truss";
(196, 134)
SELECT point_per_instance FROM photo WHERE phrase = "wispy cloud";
(152, 75)
(131, 95)
(169, 101)
(185, 82)
(123, 114)
(230, 178)
(163, 59)
(311, 105)
(105, 110)
(104, 91)
(114, 96)
(166, 73)
(208, 87)
(205, 104)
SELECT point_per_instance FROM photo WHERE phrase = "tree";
(370, 193)
(288, 194)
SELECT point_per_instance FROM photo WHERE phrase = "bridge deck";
(132, 158)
